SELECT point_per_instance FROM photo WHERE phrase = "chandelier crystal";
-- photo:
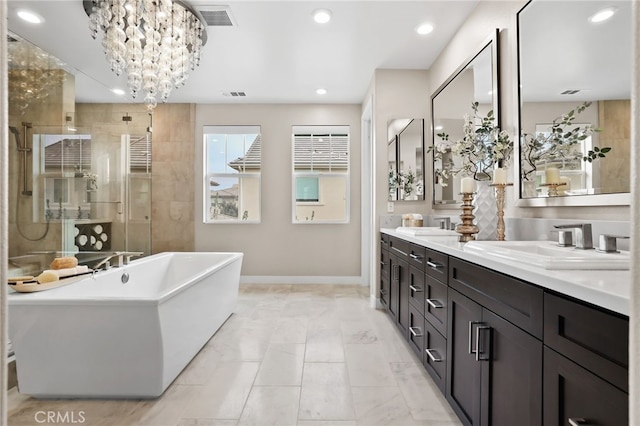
(154, 42)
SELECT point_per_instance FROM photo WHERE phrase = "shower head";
(16, 135)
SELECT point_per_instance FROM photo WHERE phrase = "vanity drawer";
(416, 331)
(385, 267)
(436, 265)
(435, 304)
(417, 256)
(516, 301)
(593, 338)
(416, 289)
(384, 242)
(434, 357)
(399, 247)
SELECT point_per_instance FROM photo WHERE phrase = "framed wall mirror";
(476, 80)
(574, 102)
(405, 153)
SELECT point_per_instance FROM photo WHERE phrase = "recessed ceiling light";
(439, 127)
(490, 92)
(423, 29)
(118, 91)
(322, 16)
(31, 17)
(321, 91)
(603, 15)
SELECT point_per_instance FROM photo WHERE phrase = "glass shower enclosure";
(79, 190)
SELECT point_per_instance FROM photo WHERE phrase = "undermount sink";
(424, 231)
(548, 255)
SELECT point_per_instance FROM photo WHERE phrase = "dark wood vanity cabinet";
(399, 283)
(504, 351)
(385, 268)
(494, 368)
(586, 363)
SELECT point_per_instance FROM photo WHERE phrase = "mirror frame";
(491, 41)
(397, 140)
(616, 199)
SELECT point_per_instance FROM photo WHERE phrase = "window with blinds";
(232, 169)
(320, 174)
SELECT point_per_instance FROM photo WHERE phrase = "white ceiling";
(276, 53)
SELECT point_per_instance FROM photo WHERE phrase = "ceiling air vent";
(570, 92)
(217, 16)
(234, 94)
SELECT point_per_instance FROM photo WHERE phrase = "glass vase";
(485, 211)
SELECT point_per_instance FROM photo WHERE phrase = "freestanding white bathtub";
(102, 338)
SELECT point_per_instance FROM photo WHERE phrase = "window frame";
(339, 172)
(241, 176)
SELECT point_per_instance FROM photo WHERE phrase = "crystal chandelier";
(155, 42)
(33, 74)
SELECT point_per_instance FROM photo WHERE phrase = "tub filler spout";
(117, 259)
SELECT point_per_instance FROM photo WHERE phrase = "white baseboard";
(374, 302)
(268, 279)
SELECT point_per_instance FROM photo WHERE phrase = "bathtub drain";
(124, 278)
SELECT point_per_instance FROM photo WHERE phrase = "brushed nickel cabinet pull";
(435, 304)
(432, 357)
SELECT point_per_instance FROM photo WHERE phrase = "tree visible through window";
(232, 173)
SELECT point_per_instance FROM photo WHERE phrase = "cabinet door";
(435, 304)
(463, 371)
(511, 374)
(574, 396)
(434, 357)
(394, 286)
(403, 296)
(416, 331)
(385, 268)
(385, 288)
(416, 288)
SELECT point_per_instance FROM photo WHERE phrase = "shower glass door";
(88, 194)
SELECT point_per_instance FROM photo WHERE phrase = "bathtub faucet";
(117, 259)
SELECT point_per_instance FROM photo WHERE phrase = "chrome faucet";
(445, 222)
(583, 236)
(121, 258)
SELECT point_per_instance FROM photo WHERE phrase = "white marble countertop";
(608, 289)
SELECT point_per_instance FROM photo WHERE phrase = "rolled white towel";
(50, 275)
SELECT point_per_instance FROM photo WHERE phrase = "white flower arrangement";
(559, 144)
(91, 178)
(483, 146)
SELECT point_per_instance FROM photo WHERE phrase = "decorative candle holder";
(500, 203)
(553, 188)
(466, 228)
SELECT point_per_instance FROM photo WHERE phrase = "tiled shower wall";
(172, 189)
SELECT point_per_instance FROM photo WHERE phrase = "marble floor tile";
(282, 365)
(225, 394)
(271, 406)
(423, 398)
(358, 331)
(368, 365)
(324, 345)
(326, 402)
(314, 355)
(325, 374)
(167, 410)
(290, 330)
(207, 422)
(381, 406)
(201, 367)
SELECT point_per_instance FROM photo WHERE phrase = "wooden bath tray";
(33, 286)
